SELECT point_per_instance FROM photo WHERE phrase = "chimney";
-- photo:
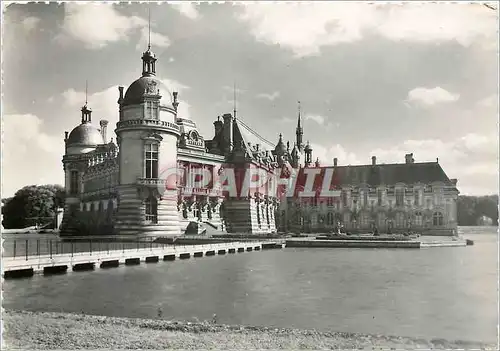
(374, 160)
(454, 181)
(335, 162)
(218, 126)
(228, 131)
(409, 158)
(66, 136)
(175, 103)
(104, 125)
(120, 99)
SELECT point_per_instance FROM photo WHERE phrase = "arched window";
(101, 207)
(329, 218)
(151, 210)
(419, 218)
(400, 220)
(381, 219)
(437, 219)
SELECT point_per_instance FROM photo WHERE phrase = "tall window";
(417, 198)
(365, 198)
(419, 219)
(379, 197)
(151, 161)
(73, 184)
(437, 219)
(329, 201)
(151, 110)
(329, 218)
(344, 198)
(151, 210)
(267, 214)
(400, 220)
(400, 194)
(258, 213)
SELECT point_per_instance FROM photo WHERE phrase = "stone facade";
(133, 187)
(127, 188)
(389, 197)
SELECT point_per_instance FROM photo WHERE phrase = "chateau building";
(129, 188)
(390, 197)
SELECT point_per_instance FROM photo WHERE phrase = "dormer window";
(151, 110)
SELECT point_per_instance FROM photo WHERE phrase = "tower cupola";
(148, 63)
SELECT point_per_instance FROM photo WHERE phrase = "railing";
(148, 123)
(25, 249)
(151, 181)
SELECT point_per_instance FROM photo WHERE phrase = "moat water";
(448, 293)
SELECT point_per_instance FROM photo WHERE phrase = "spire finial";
(234, 99)
(149, 26)
(86, 91)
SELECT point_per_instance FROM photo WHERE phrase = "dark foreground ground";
(33, 330)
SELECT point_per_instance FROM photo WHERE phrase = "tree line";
(471, 208)
(37, 204)
(33, 205)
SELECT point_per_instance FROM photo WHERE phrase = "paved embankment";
(362, 242)
(43, 331)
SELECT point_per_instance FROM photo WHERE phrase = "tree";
(471, 208)
(33, 205)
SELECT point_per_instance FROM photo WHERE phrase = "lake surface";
(448, 293)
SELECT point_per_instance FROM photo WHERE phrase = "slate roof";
(85, 134)
(373, 175)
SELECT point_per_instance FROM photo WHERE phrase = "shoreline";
(55, 330)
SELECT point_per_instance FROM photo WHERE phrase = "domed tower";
(147, 135)
(83, 139)
(280, 151)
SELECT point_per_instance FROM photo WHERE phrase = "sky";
(373, 79)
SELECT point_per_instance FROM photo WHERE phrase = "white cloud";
(186, 8)
(29, 155)
(316, 118)
(472, 159)
(306, 27)
(104, 103)
(431, 96)
(489, 101)
(285, 120)
(157, 40)
(271, 97)
(97, 24)
(72, 97)
(327, 154)
(30, 23)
